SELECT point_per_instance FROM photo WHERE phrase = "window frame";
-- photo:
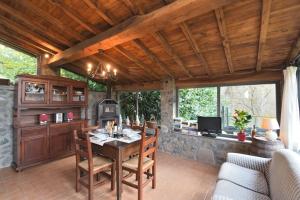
(278, 94)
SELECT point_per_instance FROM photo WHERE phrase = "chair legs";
(77, 179)
(140, 187)
(154, 176)
(91, 186)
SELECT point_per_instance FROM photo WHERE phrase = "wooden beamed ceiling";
(147, 41)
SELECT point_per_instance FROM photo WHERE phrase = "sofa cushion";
(248, 178)
(285, 175)
(226, 190)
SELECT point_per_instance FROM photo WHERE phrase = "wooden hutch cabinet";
(35, 95)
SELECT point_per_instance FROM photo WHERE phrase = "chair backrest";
(136, 127)
(83, 147)
(285, 175)
(148, 147)
(89, 129)
(151, 124)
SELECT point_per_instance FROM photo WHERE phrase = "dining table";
(117, 150)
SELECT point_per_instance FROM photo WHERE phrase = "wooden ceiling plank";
(100, 12)
(265, 17)
(33, 24)
(295, 51)
(137, 27)
(52, 20)
(153, 57)
(192, 41)
(225, 40)
(169, 49)
(29, 34)
(74, 15)
(131, 6)
(131, 57)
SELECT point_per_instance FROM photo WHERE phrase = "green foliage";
(149, 104)
(94, 86)
(242, 119)
(13, 62)
(197, 102)
(71, 75)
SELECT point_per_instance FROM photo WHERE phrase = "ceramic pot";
(241, 136)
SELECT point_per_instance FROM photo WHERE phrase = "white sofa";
(245, 177)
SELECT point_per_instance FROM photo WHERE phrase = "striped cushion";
(226, 190)
(285, 176)
(248, 178)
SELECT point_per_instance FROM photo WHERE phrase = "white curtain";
(290, 121)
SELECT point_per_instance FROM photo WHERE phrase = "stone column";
(168, 106)
(44, 69)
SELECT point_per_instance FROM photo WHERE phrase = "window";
(148, 105)
(13, 62)
(197, 102)
(92, 85)
(259, 100)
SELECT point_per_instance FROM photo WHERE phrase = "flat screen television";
(210, 124)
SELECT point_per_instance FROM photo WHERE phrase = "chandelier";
(102, 71)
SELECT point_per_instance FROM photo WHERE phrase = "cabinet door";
(78, 95)
(34, 92)
(59, 93)
(34, 147)
(60, 139)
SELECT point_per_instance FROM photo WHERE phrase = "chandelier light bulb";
(46, 55)
(103, 73)
(108, 67)
(115, 72)
(89, 67)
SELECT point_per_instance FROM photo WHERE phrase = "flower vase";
(241, 136)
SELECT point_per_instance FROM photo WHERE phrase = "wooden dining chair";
(136, 127)
(144, 164)
(90, 164)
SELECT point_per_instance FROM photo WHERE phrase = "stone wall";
(93, 99)
(207, 150)
(6, 121)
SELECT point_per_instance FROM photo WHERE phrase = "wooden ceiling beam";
(265, 17)
(17, 40)
(100, 12)
(225, 40)
(32, 24)
(74, 15)
(52, 20)
(137, 27)
(131, 57)
(192, 41)
(29, 34)
(18, 44)
(153, 57)
(169, 49)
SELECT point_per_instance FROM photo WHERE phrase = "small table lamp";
(270, 124)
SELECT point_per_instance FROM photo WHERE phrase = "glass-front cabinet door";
(59, 93)
(78, 94)
(34, 92)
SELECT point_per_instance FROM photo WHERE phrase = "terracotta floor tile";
(177, 179)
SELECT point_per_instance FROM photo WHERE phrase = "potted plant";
(242, 118)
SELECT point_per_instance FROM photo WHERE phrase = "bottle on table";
(253, 131)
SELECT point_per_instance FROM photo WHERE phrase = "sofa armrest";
(250, 162)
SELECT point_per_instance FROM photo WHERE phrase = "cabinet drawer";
(32, 131)
(59, 128)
